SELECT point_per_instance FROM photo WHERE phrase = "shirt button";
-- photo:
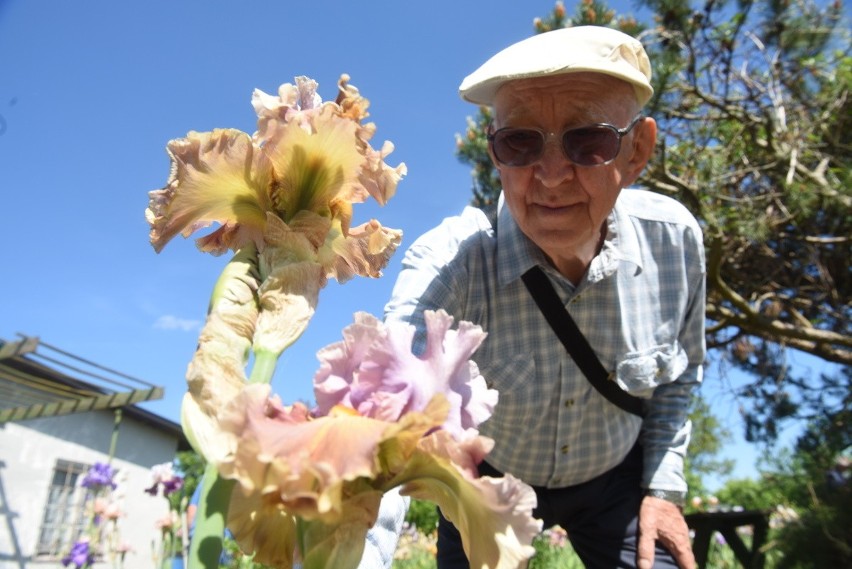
(569, 402)
(564, 449)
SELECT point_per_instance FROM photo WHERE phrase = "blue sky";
(90, 92)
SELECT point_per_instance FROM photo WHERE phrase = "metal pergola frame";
(40, 380)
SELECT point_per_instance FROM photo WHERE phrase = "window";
(64, 514)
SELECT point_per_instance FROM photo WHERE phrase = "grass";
(416, 551)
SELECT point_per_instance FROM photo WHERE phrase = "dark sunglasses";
(592, 145)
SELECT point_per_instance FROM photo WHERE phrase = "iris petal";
(385, 380)
(306, 460)
(215, 178)
(491, 514)
(341, 543)
(259, 524)
(312, 168)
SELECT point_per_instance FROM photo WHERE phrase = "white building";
(53, 428)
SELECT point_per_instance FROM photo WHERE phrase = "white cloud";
(169, 322)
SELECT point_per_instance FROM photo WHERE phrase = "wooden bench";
(705, 524)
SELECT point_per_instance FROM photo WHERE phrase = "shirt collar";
(516, 253)
(623, 237)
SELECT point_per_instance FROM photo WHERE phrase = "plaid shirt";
(640, 305)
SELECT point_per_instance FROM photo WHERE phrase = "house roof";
(40, 380)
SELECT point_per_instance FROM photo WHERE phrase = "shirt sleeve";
(433, 274)
(666, 430)
(420, 286)
(382, 538)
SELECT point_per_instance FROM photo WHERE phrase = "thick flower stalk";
(282, 200)
(310, 482)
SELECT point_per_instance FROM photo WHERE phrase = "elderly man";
(600, 435)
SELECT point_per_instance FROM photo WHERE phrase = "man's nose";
(554, 167)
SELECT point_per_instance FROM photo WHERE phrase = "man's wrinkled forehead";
(575, 96)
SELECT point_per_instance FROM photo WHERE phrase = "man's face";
(561, 206)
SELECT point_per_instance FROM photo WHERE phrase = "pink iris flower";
(386, 419)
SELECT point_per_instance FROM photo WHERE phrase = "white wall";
(28, 454)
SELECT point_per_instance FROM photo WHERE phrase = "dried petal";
(216, 373)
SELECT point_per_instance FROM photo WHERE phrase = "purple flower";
(100, 475)
(80, 555)
(163, 475)
(172, 485)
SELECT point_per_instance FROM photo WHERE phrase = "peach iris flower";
(310, 482)
(282, 199)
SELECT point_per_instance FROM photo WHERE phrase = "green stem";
(205, 547)
(301, 535)
(264, 366)
(114, 439)
(166, 553)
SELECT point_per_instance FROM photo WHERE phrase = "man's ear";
(641, 149)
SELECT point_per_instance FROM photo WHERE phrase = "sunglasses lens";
(591, 146)
(586, 146)
(517, 147)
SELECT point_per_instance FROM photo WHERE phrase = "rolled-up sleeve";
(383, 536)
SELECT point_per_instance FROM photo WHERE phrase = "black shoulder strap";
(578, 347)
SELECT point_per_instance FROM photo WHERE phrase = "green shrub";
(423, 515)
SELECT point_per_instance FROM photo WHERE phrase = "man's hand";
(662, 520)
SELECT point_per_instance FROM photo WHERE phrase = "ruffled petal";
(341, 544)
(493, 515)
(306, 156)
(335, 382)
(378, 178)
(385, 380)
(305, 461)
(352, 105)
(312, 168)
(365, 251)
(308, 461)
(215, 177)
(259, 524)
(294, 103)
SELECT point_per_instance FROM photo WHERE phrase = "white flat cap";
(567, 50)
